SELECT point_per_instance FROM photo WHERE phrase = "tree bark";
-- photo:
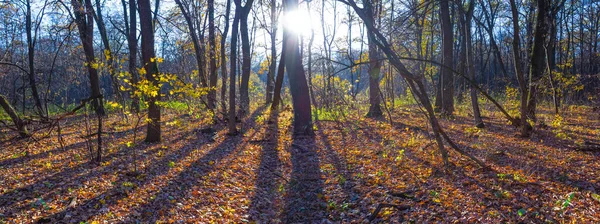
(212, 73)
(374, 67)
(297, 79)
(233, 68)
(12, 113)
(445, 99)
(279, 78)
(246, 58)
(224, 58)
(538, 57)
(31, 54)
(470, 63)
(273, 65)
(84, 17)
(148, 57)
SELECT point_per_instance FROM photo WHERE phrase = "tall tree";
(31, 39)
(212, 71)
(444, 100)
(151, 68)
(374, 63)
(198, 47)
(224, 57)
(233, 67)
(131, 29)
(246, 56)
(467, 45)
(273, 65)
(516, 46)
(84, 18)
(297, 78)
(538, 58)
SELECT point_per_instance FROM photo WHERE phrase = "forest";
(299, 111)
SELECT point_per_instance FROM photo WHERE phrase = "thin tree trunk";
(279, 78)
(31, 54)
(224, 59)
(212, 73)
(233, 68)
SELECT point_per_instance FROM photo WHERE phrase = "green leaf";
(521, 212)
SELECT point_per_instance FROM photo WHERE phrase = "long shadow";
(119, 191)
(177, 187)
(23, 159)
(263, 205)
(304, 201)
(68, 177)
(340, 163)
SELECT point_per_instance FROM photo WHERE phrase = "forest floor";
(342, 174)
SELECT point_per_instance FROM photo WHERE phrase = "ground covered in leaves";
(349, 168)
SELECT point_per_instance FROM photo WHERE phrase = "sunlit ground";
(340, 175)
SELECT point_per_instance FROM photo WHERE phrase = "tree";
(374, 64)
(131, 30)
(198, 47)
(151, 68)
(212, 73)
(246, 56)
(233, 68)
(224, 58)
(467, 50)
(31, 39)
(84, 18)
(273, 65)
(297, 78)
(538, 61)
(280, 74)
(444, 100)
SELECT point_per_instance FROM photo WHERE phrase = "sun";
(298, 21)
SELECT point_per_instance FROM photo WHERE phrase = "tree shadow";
(304, 201)
(57, 150)
(178, 188)
(263, 204)
(70, 178)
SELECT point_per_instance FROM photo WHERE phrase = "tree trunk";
(538, 57)
(233, 68)
(273, 65)
(374, 68)
(19, 124)
(279, 78)
(107, 50)
(224, 59)
(212, 73)
(446, 93)
(85, 24)
(470, 64)
(246, 58)
(132, 45)
(147, 29)
(31, 54)
(297, 79)
(195, 41)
